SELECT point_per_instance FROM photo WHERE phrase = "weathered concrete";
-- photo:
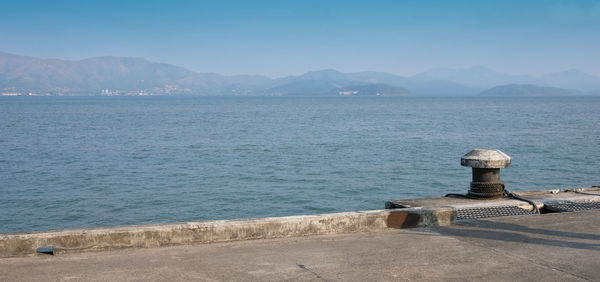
(550, 247)
(540, 198)
(420, 213)
(146, 236)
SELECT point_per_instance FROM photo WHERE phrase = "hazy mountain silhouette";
(90, 76)
(325, 80)
(477, 76)
(310, 83)
(481, 77)
(125, 74)
(573, 79)
(527, 90)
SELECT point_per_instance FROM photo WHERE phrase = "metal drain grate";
(572, 206)
(486, 212)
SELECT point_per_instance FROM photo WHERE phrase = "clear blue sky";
(278, 38)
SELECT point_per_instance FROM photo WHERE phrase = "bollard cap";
(485, 158)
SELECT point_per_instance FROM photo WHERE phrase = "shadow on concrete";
(480, 232)
(520, 228)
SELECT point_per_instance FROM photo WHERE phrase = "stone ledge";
(157, 235)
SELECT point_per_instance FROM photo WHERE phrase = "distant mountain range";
(21, 75)
(527, 90)
(481, 77)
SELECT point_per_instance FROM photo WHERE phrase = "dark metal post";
(486, 164)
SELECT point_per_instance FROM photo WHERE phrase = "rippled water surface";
(101, 161)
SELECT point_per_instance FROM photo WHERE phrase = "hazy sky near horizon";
(278, 38)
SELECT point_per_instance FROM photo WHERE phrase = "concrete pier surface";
(548, 247)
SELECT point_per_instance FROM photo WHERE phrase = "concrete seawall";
(411, 213)
(147, 236)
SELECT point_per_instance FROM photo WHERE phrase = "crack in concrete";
(532, 261)
(302, 266)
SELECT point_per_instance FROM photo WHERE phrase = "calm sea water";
(103, 161)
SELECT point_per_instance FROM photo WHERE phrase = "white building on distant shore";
(110, 92)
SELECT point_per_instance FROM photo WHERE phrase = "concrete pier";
(549, 247)
(421, 239)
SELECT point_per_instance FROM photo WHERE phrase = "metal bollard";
(486, 164)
